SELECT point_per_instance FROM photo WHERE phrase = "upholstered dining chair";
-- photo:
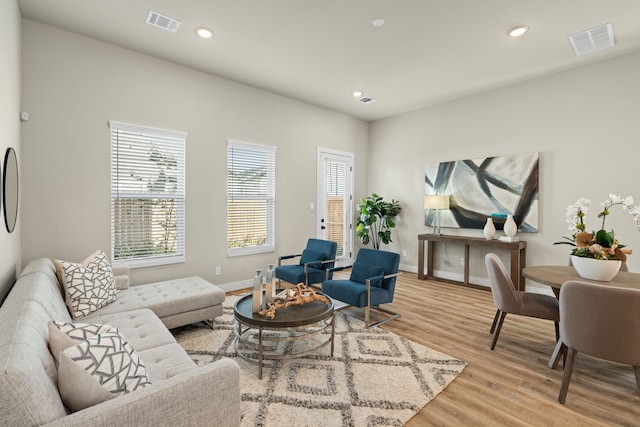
(509, 300)
(372, 282)
(601, 321)
(315, 264)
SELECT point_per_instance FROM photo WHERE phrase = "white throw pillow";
(98, 369)
(63, 335)
(87, 290)
(88, 285)
(96, 261)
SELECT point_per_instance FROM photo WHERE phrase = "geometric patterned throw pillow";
(96, 261)
(63, 335)
(87, 288)
(98, 369)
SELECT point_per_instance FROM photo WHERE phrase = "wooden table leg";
(466, 264)
(523, 264)
(430, 258)
(515, 273)
(421, 259)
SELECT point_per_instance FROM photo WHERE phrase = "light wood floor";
(511, 385)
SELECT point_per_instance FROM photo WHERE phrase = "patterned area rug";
(375, 377)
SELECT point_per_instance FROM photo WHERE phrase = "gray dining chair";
(509, 300)
(601, 321)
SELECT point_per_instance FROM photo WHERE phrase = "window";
(251, 198)
(147, 195)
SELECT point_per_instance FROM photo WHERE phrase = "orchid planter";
(596, 269)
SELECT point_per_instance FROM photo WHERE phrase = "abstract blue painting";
(480, 188)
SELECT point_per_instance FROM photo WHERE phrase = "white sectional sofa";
(179, 393)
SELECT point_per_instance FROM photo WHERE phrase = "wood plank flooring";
(511, 385)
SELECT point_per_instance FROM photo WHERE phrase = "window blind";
(335, 180)
(250, 198)
(147, 195)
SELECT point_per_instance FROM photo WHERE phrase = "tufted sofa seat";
(180, 393)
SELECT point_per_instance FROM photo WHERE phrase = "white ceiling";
(319, 51)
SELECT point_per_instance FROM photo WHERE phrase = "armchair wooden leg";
(566, 377)
(495, 321)
(496, 331)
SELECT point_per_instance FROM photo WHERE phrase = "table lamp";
(436, 202)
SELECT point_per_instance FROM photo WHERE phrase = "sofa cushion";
(165, 362)
(143, 329)
(63, 335)
(98, 369)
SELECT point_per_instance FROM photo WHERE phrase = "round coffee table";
(297, 322)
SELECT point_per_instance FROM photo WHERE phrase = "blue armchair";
(372, 283)
(316, 262)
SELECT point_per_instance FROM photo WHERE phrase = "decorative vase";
(510, 227)
(256, 303)
(270, 287)
(489, 229)
(595, 269)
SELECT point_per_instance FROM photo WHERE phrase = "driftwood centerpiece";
(298, 295)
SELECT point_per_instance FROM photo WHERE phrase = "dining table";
(555, 275)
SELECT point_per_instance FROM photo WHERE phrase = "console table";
(518, 251)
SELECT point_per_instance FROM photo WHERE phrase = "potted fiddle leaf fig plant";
(376, 220)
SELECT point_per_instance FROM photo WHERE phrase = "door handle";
(322, 227)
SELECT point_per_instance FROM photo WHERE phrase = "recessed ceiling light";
(518, 31)
(378, 22)
(205, 33)
(356, 93)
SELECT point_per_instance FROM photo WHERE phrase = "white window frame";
(270, 197)
(169, 138)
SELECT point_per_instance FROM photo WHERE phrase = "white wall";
(10, 124)
(73, 85)
(583, 122)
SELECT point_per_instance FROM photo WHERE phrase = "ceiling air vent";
(592, 40)
(367, 100)
(161, 21)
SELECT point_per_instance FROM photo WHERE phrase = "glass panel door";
(335, 201)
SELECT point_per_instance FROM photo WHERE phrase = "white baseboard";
(236, 286)
(409, 268)
(483, 281)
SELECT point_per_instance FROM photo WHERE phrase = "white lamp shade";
(436, 202)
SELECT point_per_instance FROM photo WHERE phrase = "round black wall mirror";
(10, 189)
